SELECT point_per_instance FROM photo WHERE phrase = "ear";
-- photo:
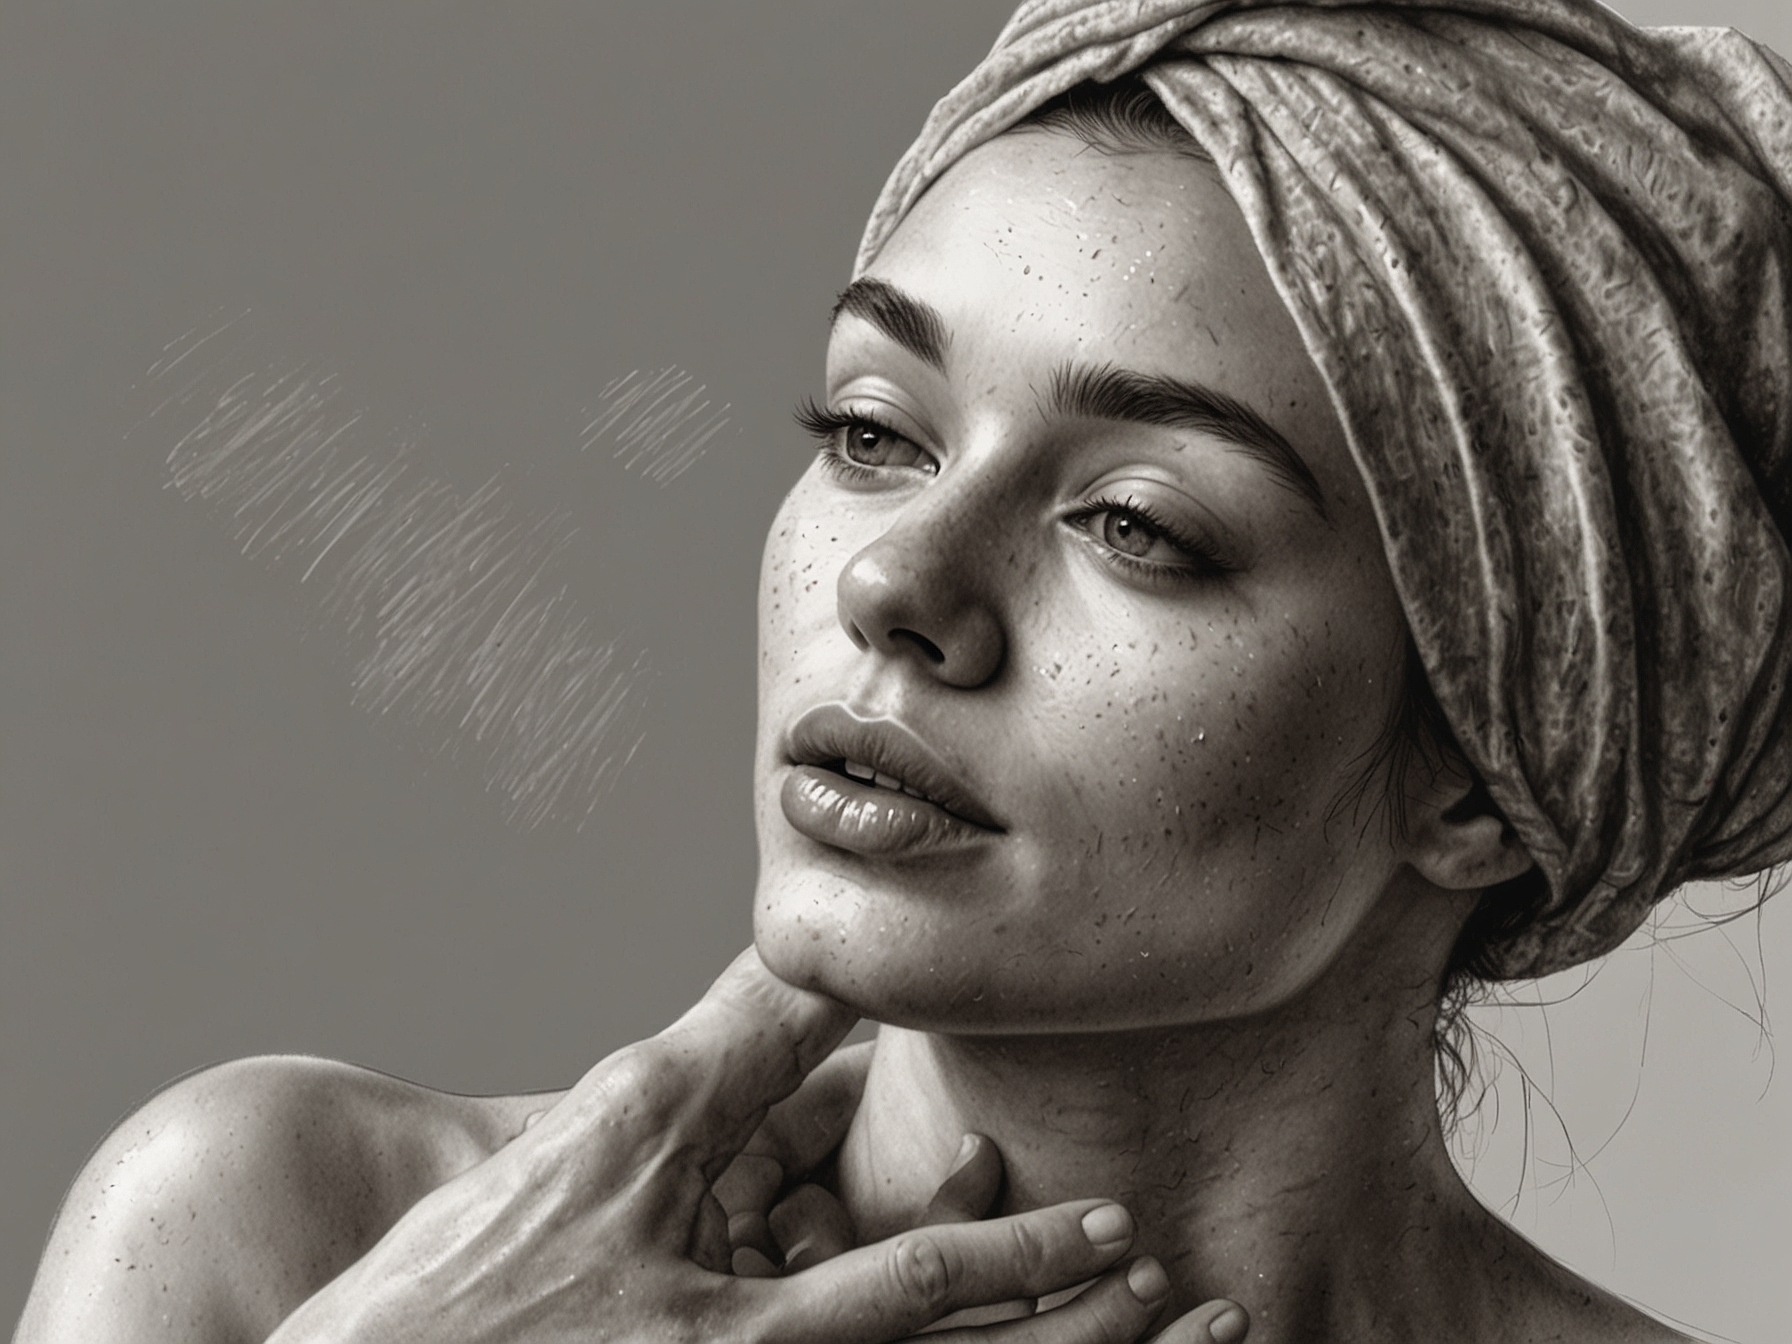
(1456, 837)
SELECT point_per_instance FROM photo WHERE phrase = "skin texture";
(215, 1210)
(1177, 969)
(292, 1201)
(1167, 753)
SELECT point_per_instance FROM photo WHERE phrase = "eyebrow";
(915, 326)
(1104, 392)
(1099, 391)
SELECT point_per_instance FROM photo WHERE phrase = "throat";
(1237, 1164)
(1059, 1138)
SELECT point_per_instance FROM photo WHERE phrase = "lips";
(874, 787)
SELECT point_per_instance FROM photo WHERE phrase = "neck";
(1293, 1161)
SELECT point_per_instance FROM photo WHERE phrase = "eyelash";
(827, 426)
(1208, 563)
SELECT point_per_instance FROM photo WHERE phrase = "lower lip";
(835, 810)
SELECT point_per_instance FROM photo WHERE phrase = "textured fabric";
(1543, 260)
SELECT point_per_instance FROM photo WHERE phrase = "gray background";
(479, 216)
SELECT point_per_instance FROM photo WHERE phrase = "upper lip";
(830, 734)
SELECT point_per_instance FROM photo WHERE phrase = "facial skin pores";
(1148, 642)
(1075, 643)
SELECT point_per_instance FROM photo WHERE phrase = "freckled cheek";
(1197, 754)
(799, 579)
(805, 654)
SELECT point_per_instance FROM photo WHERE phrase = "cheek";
(798, 580)
(1210, 723)
(1176, 853)
(1196, 794)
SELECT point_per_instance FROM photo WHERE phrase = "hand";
(770, 1235)
(797, 1136)
(598, 1222)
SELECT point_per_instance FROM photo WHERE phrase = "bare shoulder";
(211, 1212)
(1597, 1317)
(1548, 1303)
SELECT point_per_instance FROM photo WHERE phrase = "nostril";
(926, 645)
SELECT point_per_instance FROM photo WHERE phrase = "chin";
(916, 948)
(959, 976)
(894, 991)
(901, 982)
(820, 946)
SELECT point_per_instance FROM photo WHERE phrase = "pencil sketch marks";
(451, 599)
(658, 422)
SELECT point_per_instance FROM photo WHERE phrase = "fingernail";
(1148, 1281)
(1107, 1224)
(965, 1149)
(1229, 1326)
(799, 1256)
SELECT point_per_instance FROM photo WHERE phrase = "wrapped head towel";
(1543, 261)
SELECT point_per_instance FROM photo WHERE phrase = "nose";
(914, 594)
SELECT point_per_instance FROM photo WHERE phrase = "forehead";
(1079, 239)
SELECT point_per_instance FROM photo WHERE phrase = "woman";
(1166, 461)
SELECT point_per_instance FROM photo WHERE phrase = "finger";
(811, 1226)
(710, 1246)
(750, 1185)
(751, 1229)
(966, 1194)
(703, 1084)
(898, 1286)
(748, 1263)
(1117, 1309)
(1217, 1322)
(970, 1186)
(746, 1044)
(1015, 1309)
(809, 1124)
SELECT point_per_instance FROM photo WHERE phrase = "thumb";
(894, 1288)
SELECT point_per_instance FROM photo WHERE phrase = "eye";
(1128, 533)
(1135, 539)
(856, 445)
(871, 445)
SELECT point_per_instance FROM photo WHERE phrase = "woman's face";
(1084, 563)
